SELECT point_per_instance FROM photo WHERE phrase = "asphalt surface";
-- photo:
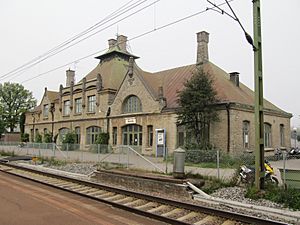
(24, 202)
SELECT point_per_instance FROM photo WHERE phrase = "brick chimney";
(122, 42)
(234, 78)
(202, 48)
(112, 43)
(70, 74)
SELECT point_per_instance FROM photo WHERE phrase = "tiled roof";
(112, 72)
(172, 81)
(52, 95)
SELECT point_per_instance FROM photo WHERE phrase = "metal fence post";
(98, 157)
(127, 158)
(284, 161)
(218, 164)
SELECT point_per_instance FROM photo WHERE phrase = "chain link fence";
(214, 163)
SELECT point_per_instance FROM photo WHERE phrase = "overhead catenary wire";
(131, 39)
(120, 11)
(110, 25)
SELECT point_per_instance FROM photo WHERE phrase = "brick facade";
(117, 78)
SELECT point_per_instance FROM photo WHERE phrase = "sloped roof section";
(112, 72)
(173, 80)
(52, 95)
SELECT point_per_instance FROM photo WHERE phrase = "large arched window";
(132, 104)
(62, 133)
(267, 135)
(92, 134)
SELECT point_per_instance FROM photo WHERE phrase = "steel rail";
(187, 206)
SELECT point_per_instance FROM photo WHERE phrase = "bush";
(38, 138)
(25, 137)
(102, 139)
(48, 138)
(69, 141)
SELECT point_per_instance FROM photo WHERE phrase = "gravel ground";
(238, 193)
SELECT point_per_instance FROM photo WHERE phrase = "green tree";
(15, 100)
(2, 125)
(197, 103)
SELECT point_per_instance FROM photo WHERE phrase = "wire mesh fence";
(215, 163)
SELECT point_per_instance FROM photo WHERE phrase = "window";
(281, 135)
(92, 103)
(267, 135)
(62, 133)
(132, 135)
(66, 108)
(45, 130)
(180, 136)
(92, 134)
(246, 129)
(77, 132)
(132, 104)
(78, 105)
(115, 135)
(46, 111)
(150, 135)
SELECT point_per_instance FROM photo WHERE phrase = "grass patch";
(3, 153)
(52, 161)
(290, 198)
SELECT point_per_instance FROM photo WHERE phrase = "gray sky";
(31, 28)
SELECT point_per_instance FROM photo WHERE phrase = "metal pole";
(258, 81)
(218, 164)
(284, 161)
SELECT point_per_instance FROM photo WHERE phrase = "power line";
(136, 37)
(120, 11)
(55, 53)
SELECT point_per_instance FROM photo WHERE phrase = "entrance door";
(133, 135)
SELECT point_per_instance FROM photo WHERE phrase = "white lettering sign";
(130, 120)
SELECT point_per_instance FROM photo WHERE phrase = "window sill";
(90, 113)
(66, 116)
(77, 114)
(269, 149)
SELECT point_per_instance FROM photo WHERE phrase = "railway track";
(166, 210)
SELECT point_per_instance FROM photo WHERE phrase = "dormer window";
(132, 104)
(46, 111)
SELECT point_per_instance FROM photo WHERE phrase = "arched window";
(77, 132)
(92, 134)
(62, 133)
(246, 131)
(132, 104)
(267, 135)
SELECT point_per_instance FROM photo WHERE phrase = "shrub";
(25, 137)
(47, 137)
(102, 139)
(38, 138)
(69, 141)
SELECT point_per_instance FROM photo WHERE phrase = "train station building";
(138, 107)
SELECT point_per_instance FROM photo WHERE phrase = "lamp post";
(295, 135)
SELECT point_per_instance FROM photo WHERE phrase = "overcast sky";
(31, 28)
